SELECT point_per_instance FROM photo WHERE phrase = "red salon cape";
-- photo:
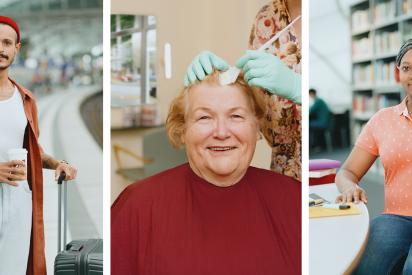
(176, 223)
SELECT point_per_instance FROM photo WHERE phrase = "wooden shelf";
(361, 31)
(384, 24)
(366, 87)
(362, 59)
(386, 55)
(388, 89)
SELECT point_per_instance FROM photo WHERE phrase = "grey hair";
(404, 49)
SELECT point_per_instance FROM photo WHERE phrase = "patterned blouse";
(282, 126)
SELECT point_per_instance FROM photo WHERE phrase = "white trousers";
(15, 228)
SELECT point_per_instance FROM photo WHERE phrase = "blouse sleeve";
(367, 138)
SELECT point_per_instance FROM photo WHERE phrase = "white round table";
(336, 243)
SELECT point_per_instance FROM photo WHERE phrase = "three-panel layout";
(246, 137)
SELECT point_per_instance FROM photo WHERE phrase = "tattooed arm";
(48, 162)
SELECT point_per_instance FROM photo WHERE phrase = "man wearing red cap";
(21, 186)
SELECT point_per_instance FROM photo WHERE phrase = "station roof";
(57, 27)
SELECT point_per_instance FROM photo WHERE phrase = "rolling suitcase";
(79, 257)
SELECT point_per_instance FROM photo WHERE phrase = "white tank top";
(13, 123)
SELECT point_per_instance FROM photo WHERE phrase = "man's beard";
(7, 58)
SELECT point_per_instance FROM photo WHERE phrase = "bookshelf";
(378, 29)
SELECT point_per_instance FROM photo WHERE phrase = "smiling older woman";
(215, 214)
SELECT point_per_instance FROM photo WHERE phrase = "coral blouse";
(388, 134)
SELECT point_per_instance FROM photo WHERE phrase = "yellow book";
(320, 212)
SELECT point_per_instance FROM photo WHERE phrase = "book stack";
(363, 75)
(384, 12)
(387, 42)
(384, 73)
(363, 105)
(361, 48)
(360, 20)
(322, 171)
(406, 6)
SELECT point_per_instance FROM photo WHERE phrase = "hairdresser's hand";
(12, 171)
(353, 193)
(203, 65)
(267, 71)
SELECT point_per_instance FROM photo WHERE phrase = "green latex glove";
(203, 65)
(267, 71)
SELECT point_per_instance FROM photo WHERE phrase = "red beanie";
(8, 21)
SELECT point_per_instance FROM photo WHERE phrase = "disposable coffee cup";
(18, 154)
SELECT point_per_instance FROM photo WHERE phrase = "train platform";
(64, 135)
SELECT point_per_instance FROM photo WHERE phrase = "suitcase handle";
(62, 196)
(61, 178)
(75, 247)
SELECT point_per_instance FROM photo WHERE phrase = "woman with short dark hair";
(388, 135)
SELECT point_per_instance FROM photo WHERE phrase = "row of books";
(362, 47)
(363, 75)
(374, 49)
(360, 20)
(384, 11)
(387, 42)
(378, 73)
(363, 104)
(384, 73)
(406, 6)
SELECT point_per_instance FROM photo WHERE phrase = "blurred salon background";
(61, 63)
(152, 44)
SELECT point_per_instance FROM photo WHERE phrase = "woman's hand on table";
(352, 171)
(353, 194)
